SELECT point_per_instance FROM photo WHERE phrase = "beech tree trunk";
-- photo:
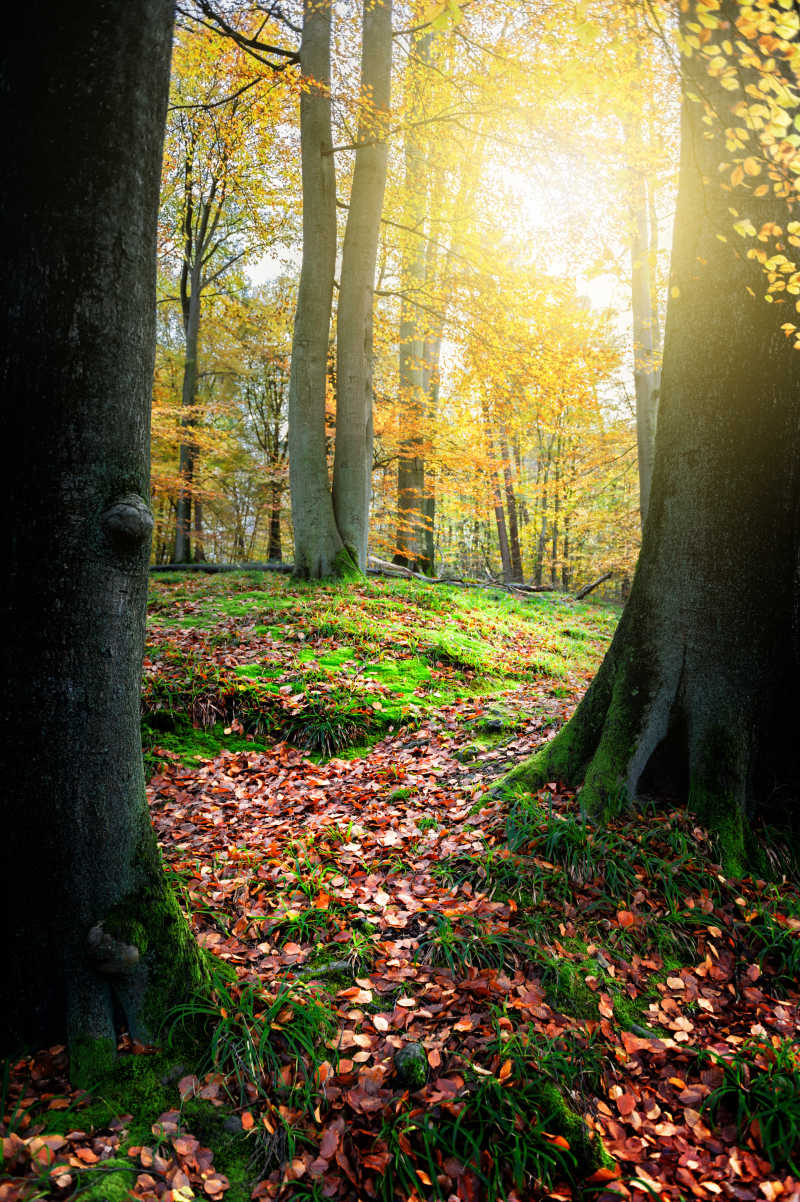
(511, 504)
(90, 925)
(319, 549)
(698, 694)
(409, 537)
(646, 351)
(352, 467)
(182, 550)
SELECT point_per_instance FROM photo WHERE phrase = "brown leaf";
(626, 1104)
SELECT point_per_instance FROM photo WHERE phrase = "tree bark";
(646, 351)
(511, 505)
(698, 693)
(352, 467)
(319, 549)
(182, 550)
(411, 465)
(89, 919)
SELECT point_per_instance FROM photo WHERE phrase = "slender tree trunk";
(497, 499)
(352, 467)
(698, 694)
(511, 506)
(275, 550)
(318, 547)
(411, 465)
(197, 529)
(80, 198)
(182, 551)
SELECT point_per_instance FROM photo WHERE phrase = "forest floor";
(423, 990)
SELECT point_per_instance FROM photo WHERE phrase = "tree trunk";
(646, 370)
(352, 467)
(511, 505)
(274, 550)
(182, 551)
(80, 197)
(411, 465)
(197, 529)
(318, 547)
(697, 696)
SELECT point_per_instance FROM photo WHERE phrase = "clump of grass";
(328, 723)
(252, 1035)
(777, 948)
(503, 1130)
(469, 944)
(427, 823)
(497, 871)
(760, 1093)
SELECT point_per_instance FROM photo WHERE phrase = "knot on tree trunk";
(111, 956)
(127, 523)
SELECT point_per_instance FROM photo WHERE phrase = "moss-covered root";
(345, 565)
(588, 1150)
(140, 959)
(646, 726)
(568, 756)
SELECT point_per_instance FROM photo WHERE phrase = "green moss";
(90, 1059)
(233, 1151)
(172, 967)
(400, 794)
(345, 565)
(111, 1181)
(588, 1151)
(190, 744)
(146, 1087)
(566, 990)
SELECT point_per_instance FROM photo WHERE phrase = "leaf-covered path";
(420, 976)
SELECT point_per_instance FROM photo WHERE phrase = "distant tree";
(698, 694)
(90, 924)
(330, 530)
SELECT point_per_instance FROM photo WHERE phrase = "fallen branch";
(380, 567)
(589, 588)
(211, 568)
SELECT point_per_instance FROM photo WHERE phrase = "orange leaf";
(248, 1122)
(603, 1175)
(625, 918)
(626, 1104)
(322, 901)
(505, 1071)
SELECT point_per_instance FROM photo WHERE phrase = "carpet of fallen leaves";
(259, 838)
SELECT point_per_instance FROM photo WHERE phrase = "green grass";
(760, 1093)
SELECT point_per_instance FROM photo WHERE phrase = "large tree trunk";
(698, 694)
(79, 197)
(646, 351)
(318, 546)
(352, 468)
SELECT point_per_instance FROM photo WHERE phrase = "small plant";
(327, 723)
(760, 1092)
(507, 1130)
(497, 871)
(298, 926)
(427, 824)
(777, 948)
(470, 945)
(253, 1035)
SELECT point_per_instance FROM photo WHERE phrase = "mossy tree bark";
(352, 467)
(92, 934)
(698, 692)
